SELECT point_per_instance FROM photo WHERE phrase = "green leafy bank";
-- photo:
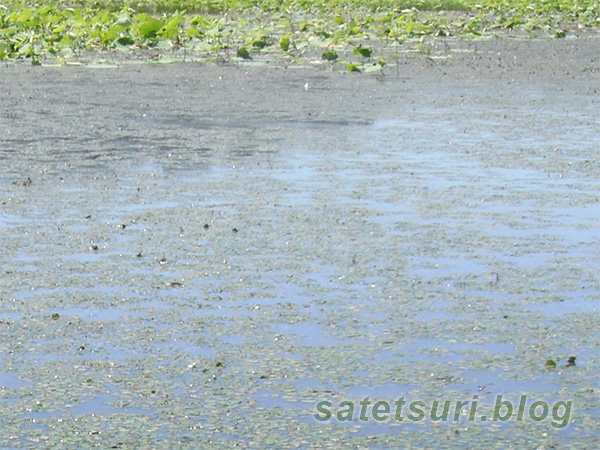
(244, 29)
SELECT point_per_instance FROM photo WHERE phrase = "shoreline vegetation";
(351, 32)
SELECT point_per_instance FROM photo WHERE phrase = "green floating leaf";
(352, 68)
(55, 316)
(372, 68)
(571, 361)
(171, 29)
(363, 51)
(4, 50)
(329, 56)
(260, 43)
(150, 27)
(125, 41)
(550, 364)
(284, 43)
(243, 53)
(193, 32)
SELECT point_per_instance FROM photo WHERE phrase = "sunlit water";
(422, 255)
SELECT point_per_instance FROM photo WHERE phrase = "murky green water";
(178, 279)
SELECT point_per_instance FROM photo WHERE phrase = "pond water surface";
(188, 274)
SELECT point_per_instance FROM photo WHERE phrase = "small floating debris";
(570, 362)
(25, 183)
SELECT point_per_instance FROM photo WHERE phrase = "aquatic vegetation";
(32, 30)
(363, 51)
(329, 56)
(243, 53)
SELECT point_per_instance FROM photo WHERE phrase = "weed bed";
(350, 32)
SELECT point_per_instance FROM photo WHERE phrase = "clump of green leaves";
(329, 56)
